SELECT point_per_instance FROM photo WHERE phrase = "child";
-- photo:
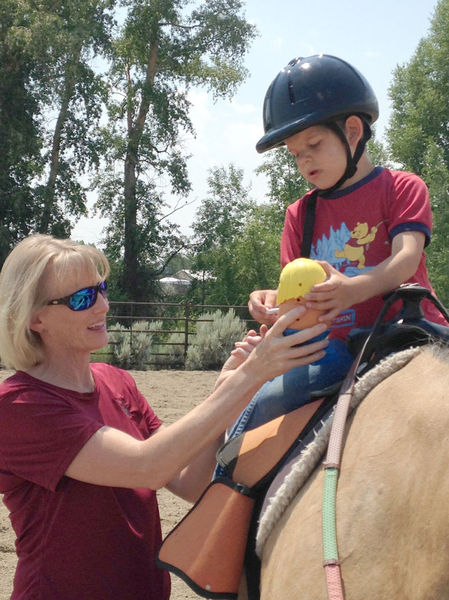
(368, 228)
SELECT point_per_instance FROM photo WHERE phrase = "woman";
(81, 451)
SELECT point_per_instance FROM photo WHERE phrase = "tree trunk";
(131, 247)
(69, 86)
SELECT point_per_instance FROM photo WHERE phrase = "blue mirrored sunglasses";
(82, 299)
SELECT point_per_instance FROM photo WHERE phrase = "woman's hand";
(276, 353)
(277, 342)
(241, 352)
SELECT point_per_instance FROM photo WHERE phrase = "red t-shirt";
(353, 231)
(76, 541)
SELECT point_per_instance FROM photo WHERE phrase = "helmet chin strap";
(351, 161)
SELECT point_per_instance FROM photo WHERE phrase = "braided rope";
(332, 569)
(334, 582)
(330, 551)
(334, 451)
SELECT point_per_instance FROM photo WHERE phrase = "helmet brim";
(277, 137)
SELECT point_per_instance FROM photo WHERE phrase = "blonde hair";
(22, 290)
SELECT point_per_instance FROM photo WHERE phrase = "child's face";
(320, 155)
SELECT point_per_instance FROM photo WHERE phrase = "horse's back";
(392, 522)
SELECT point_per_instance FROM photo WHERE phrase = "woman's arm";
(114, 458)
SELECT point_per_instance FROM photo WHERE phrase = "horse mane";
(313, 453)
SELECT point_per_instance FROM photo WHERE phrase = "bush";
(175, 358)
(132, 350)
(209, 348)
(119, 346)
(153, 327)
(214, 340)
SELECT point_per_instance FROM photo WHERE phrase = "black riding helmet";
(318, 90)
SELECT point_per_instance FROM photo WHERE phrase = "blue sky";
(373, 36)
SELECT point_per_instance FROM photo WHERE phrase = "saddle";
(207, 548)
(210, 548)
(409, 327)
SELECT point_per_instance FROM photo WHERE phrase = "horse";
(391, 514)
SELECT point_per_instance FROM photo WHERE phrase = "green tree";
(50, 104)
(238, 241)
(435, 171)
(378, 153)
(418, 133)
(257, 254)
(20, 142)
(73, 92)
(285, 183)
(218, 226)
(165, 47)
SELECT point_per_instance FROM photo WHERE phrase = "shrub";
(153, 327)
(141, 345)
(120, 345)
(175, 358)
(131, 350)
(214, 340)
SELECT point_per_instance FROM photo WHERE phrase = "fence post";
(186, 327)
(131, 327)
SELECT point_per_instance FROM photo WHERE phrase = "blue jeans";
(291, 390)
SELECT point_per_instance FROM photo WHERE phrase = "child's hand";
(259, 301)
(334, 295)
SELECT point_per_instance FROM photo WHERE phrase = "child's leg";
(292, 389)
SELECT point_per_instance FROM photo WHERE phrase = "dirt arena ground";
(171, 394)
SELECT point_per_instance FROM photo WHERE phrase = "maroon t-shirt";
(353, 231)
(75, 540)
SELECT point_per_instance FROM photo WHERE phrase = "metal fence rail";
(178, 317)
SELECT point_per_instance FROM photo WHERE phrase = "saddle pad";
(207, 548)
(296, 455)
(261, 449)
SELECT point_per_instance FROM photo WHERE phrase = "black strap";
(309, 222)
(408, 328)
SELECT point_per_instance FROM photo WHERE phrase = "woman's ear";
(36, 323)
(353, 130)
